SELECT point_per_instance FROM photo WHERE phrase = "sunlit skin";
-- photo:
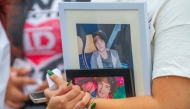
(103, 88)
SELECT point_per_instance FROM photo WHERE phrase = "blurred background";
(36, 37)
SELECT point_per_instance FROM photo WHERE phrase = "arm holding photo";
(171, 77)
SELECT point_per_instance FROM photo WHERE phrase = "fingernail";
(69, 83)
(93, 106)
(50, 72)
(81, 88)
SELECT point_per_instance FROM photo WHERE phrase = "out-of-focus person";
(5, 48)
(35, 31)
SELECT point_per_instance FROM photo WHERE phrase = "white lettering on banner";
(27, 42)
(41, 38)
(37, 40)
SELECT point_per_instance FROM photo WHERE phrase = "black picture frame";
(71, 74)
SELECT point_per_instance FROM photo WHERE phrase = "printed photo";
(104, 83)
(103, 87)
(104, 46)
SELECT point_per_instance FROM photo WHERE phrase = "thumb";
(56, 79)
(63, 90)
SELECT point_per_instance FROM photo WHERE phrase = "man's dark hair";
(111, 81)
(101, 35)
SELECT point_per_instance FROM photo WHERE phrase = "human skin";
(67, 96)
(103, 88)
(170, 92)
(14, 96)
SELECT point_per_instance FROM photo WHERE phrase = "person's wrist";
(91, 104)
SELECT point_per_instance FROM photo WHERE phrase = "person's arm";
(171, 92)
(167, 93)
(14, 96)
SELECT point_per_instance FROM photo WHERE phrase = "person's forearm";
(142, 102)
(170, 92)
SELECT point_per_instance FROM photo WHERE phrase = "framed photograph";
(107, 36)
(104, 83)
(94, 39)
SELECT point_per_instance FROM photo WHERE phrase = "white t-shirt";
(169, 22)
(4, 64)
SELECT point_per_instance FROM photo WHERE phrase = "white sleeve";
(4, 64)
(172, 39)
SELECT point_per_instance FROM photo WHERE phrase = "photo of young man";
(104, 46)
(102, 87)
(103, 57)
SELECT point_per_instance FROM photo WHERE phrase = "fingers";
(48, 93)
(82, 103)
(20, 97)
(19, 81)
(57, 80)
(71, 94)
(13, 104)
(68, 100)
(61, 91)
(16, 95)
(43, 86)
(76, 99)
(67, 97)
(20, 71)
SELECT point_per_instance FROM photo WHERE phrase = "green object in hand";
(69, 83)
(50, 72)
(81, 88)
(93, 106)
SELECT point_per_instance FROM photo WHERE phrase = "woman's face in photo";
(100, 44)
(103, 88)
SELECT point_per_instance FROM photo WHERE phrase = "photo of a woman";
(103, 57)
